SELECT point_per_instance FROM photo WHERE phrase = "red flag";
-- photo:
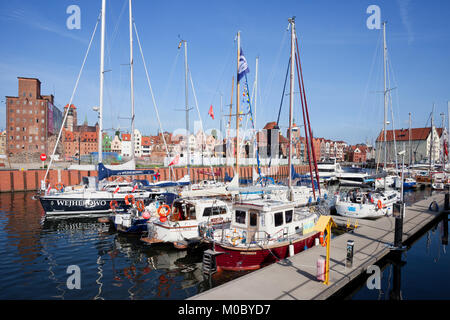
(135, 187)
(175, 160)
(210, 112)
(117, 189)
(445, 148)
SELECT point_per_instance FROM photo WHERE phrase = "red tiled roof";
(71, 106)
(146, 141)
(403, 134)
(126, 137)
(270, 125)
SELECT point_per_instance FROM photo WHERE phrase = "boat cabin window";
(214, 211)
(240, 216)
(288, 216)
(253, 219)
(278, 219)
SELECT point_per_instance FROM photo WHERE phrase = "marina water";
(36, 253)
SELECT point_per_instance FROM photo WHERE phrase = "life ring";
(113, 204)
(379, 204)
(127, 201)
(166, 213)
(59, 186)
(140, 205)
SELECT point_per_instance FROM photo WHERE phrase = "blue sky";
(341, 59)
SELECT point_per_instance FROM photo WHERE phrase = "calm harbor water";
(35, 255)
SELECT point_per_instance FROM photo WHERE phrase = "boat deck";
(295, 278)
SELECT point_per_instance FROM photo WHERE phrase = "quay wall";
(30, 180)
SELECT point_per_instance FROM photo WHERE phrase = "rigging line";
(281, 102)
(374, 58)
(114, 34)
(225, 67)
(201, 121)
(274, 68)
(171, 74)
(392, 116)
(153, 96)
(71, 98)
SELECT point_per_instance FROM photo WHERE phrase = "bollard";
(350, 248)
(321, 269)
(291, 250)
(398, 214)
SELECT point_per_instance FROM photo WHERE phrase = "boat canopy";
(104, 172)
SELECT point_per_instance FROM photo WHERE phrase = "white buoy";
(316, 241)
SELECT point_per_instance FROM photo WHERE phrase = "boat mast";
(255, 101)
(237, 102)
(186, 71)
(409, 138)
(432, 139)
(448, 133)
(385, 99)
(102, 74)
(131, 82)
(291, 103)
(227, 145)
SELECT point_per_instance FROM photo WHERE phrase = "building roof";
(270, 125)
(403, 134)
(146, 141)
(71, 106)
(126, 137)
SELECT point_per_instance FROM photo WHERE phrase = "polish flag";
(210, 112)
(175, 160)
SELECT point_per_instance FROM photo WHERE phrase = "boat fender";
(434, 207)
(325, 196)
(310, 200)
(60, 187)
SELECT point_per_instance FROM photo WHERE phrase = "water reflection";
(36, 252)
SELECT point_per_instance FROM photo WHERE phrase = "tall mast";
(432, 138)
(131, 82)
(255, 101)
(442, 137)
(102, 74)
(229, 123)
(291, 103)
(409, 138)
(385, 99)
(448, 132)
(237, 102)
(186, 72)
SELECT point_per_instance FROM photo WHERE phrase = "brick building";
(32, 120)
(78, 139)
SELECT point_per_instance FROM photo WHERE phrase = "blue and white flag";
(243, 66)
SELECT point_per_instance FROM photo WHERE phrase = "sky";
(341, 60)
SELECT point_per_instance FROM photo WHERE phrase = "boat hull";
(240, 259)
(81, 205)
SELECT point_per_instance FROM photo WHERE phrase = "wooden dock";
(295, 278)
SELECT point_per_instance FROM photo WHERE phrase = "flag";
(117, 189)
(175, 160)
(135, 187)
(243, 66)
(211, 112)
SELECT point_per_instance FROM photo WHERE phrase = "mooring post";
(398, 212)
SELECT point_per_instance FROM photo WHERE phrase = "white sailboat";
(357, 204)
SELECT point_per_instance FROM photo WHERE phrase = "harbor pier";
(295, 278)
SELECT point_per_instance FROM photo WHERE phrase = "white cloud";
(404, 15)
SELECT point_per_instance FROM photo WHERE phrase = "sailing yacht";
(371, 204)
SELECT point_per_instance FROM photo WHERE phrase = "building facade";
(32, 120)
